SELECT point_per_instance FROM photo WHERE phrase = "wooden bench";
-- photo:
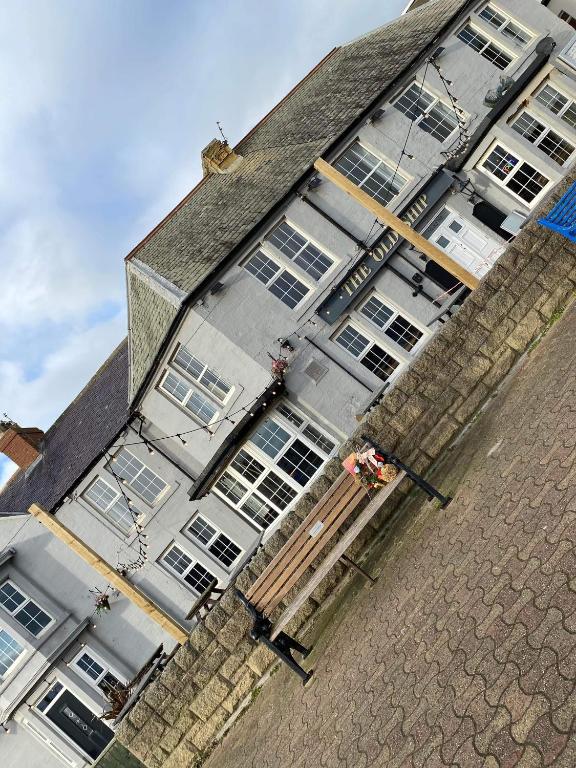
(306, 544)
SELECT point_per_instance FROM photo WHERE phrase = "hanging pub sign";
(372, 262)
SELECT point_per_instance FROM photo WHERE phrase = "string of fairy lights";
(140, 544)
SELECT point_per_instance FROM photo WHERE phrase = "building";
(268, 312)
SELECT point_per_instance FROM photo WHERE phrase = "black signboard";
(373, 261)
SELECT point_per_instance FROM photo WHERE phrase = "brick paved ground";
(464, 653)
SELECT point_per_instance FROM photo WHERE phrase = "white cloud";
(7, 469)
(37, 402)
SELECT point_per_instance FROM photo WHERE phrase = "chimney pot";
(219, 157)
(20, 444)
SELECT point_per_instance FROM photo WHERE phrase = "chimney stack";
(20, 444)
(219, 157)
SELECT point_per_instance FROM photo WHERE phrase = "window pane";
(32, 618)
(10, 650)
(288, 289)
(440, 122)
(319, 439)
(529, 127)
(377, 312)
(556, 147)
(231, 488)
(403, 333)
(90, 666)
(496, 56)
(380, 362)
(527, 182)
(110, 683)
(473, 39)
(277, 491)
(352, 340)
(516, 33)
(414, 102)
(300, 462)
(500, 162)
(201, 530)
(247, 466)
(225, 550)
(297, 248)
(270, 437)
(127, 465)
(201, 407)
(552, 99)
(289, 415)
(175, 386)
(262, 514)
(570, 116)
(191, 364)
(199, 578)
(366, 170)
(177, 560)
(101, 494)
(262, 267)
(215, 384)
(121, 514)
(493, 18)
(10, 597)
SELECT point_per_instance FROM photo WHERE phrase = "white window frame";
(541, 107)
(374, 341)
(502, 183)
(397, 312)
(27, 600)
(198, 381)
(382, 160)
(426, 113)
(507, 20)
(181, 577)
(540, 139)
(192, 391)
(136, 516)
(95, 683)
(18, 660)
(212, 540)
(273, 251)
(158, 497)
(282, 268)
(489, 41)
(271, 466)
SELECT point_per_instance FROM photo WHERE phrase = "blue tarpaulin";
(562, 218)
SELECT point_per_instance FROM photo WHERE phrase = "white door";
(464, 242)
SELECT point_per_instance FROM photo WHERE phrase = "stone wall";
(179, 714)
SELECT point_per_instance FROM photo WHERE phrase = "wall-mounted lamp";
(314, 182)
(377, 115)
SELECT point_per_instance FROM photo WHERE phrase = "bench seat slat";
(336, 552)
(290, 548)
(288, 575)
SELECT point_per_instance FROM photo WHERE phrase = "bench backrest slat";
(286, 554)
(294, 558)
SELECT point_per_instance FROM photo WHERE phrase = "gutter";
(204, 285)
(543, 52)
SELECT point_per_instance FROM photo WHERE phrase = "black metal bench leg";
(288, 643)
(285, 655)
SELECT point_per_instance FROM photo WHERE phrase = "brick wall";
(180, 713)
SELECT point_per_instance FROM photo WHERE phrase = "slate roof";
(223, 208)
(75, 440)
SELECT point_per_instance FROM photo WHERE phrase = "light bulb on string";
(182, 439)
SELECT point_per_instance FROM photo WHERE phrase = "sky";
(106, 107)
